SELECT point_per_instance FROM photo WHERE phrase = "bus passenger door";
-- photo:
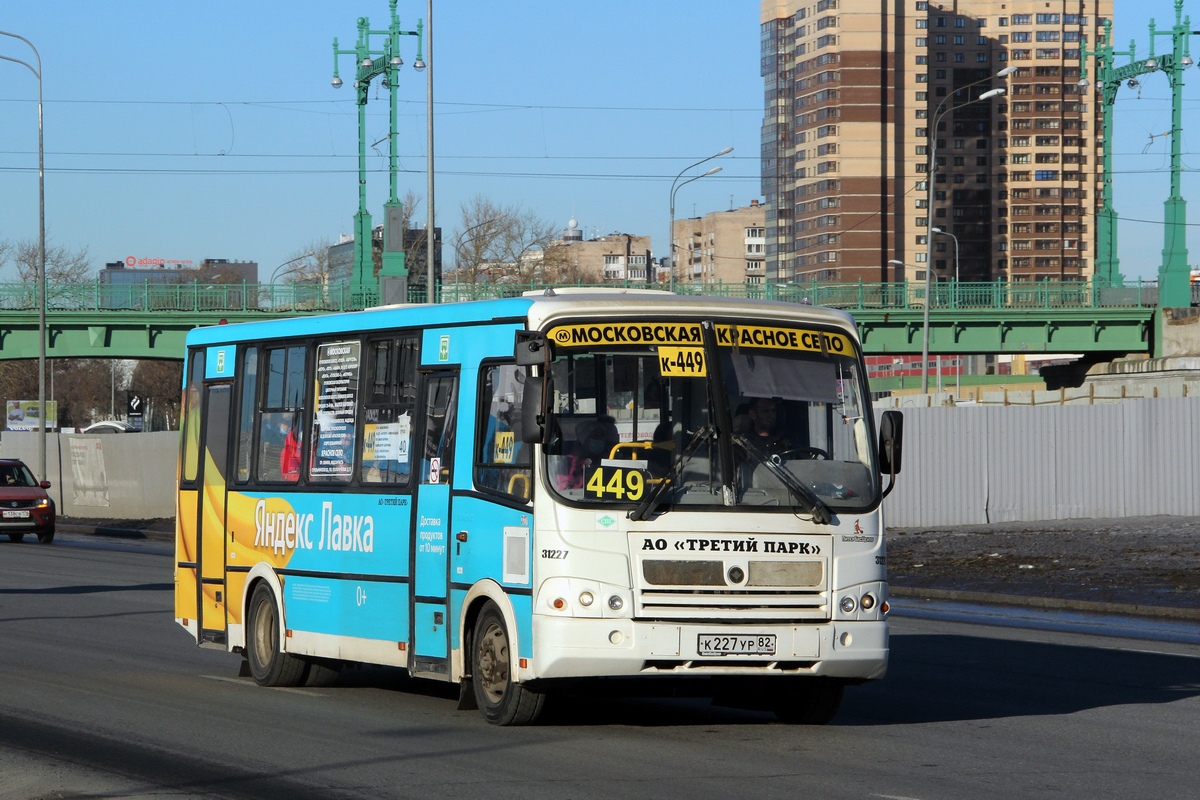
(211, 514)
(431, 541)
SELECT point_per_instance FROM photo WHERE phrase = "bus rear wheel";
(814, 702)
(269, 665)
(501, 700)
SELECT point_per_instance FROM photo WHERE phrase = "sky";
(186, 131)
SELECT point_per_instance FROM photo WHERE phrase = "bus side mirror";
(532, 419)
(891, 434)
(530, 349)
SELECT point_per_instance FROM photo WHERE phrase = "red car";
(25, 507)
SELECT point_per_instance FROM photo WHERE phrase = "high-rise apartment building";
(852, 95)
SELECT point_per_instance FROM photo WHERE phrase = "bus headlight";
(848, 604)
(867, 602)
(616, 603)
(586, 599)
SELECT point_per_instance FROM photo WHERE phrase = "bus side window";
(502, 460)
(191, 418)
(280, 437)
(249, 403)
(389, 402)
(440, 424)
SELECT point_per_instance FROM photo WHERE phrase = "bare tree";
(62, 265)
(500, 243)
(81, 386)
(158, 382)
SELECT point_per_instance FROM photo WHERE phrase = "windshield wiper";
(650, 502)
(821, 513)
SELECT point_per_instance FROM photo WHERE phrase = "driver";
(766, 429)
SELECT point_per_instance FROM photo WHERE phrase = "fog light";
(846, 639)
(736, 575)
(616, 603)
(586, 599)
(616, 637)
(848, 604)
(867, 602)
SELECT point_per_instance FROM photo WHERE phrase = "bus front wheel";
(502, 700)
(269, 665)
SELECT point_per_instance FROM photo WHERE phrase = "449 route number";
(615, 483)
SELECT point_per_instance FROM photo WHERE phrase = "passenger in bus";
(289, 458)
(594, 441)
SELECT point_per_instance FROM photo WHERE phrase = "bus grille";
(698, 589)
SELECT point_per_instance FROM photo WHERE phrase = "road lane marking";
(246, 682)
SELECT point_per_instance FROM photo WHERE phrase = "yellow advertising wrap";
(185, 549)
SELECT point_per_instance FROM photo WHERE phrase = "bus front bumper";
(578, 648)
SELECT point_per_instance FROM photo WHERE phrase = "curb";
(132, 533)
(1047, 603)
(114, 531)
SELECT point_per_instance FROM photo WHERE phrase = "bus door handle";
(461, 537)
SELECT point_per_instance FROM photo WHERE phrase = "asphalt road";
(101, 695)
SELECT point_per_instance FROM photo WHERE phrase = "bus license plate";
(736, 644)
(16, 514)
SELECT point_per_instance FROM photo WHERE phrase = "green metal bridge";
(92, 320)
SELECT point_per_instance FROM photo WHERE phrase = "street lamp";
(900, 269)
(675, 188)
(367, 69)
(955, 238)
(1174, 286)
(953, 296)
(275, 272)
(41, 272)
(930, 176)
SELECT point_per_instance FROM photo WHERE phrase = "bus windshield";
(773, 417)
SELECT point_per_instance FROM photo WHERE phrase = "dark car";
(25, 507)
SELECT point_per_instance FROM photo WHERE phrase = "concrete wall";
(115, 476)
(975, 464)
(962, 465)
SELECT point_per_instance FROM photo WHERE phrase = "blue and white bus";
(557, 491)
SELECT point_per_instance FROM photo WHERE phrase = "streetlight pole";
(930, 176)
(955, 238)
(41, 272)
(430, 272)
(1174, 287)
(675, 187)
(366, 70)
(901, 269)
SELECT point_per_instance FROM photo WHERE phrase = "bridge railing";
(311, 298)
(898, 295)
(183, 297)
